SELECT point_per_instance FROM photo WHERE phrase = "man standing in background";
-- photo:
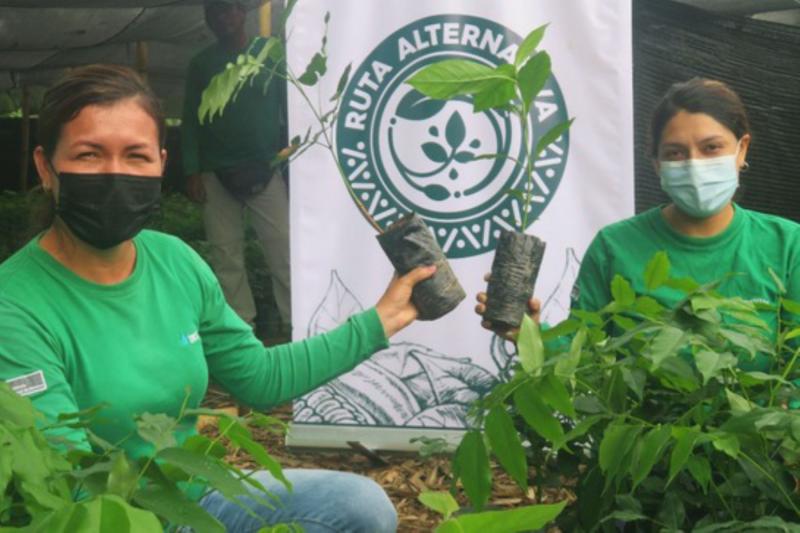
(227, 163)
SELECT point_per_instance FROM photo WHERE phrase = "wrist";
(392, 321)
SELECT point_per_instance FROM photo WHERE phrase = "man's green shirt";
(249, 127)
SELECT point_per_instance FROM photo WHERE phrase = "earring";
(745, 167)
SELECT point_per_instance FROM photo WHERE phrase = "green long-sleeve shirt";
(752, 244)
(139, 344)
(249, 127)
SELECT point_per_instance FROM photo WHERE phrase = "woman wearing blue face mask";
(700, 137)
(96, 310)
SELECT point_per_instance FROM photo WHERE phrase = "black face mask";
(104, 210)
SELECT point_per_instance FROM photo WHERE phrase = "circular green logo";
(404, 152)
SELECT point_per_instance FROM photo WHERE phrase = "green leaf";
(727, 443)
(416, 106)
(588, 404)
(506, 445)
(122, 477)
(657, 271)
(556, 395)
(628, 509)
(452, 77)
(738, 404)
(580, 429)
(711, 364)
(685, 285)
(791, 306)
(700, 469)
(315, 70)
(158, 430)
(208, 468)
(16, 410)
(530, 518)
(530, 346)
(532, 77)
(565, 368)
(635, 379)
(104, 513)
(622, 292)
(441, 502)
(618, 441)
(777, 281)
(666, 344)
(563, 328)
(528, 45)
(173, 505)
(241, 436)
(342, 82)
(495, 95)
(647, 306)
(455, 131)
(536, 414)
(471, 465)
(551, 136)
(650, 451)
(204, 446)
(685, 440)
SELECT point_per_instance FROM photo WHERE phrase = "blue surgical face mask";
(700, 187)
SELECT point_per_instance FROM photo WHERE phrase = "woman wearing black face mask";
(95, 310)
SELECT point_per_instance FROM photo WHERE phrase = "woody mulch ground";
(402, 476)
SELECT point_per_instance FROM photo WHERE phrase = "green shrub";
(659, 414)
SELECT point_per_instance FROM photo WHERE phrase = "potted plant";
(508, 88)
(407, 242)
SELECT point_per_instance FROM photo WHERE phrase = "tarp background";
(760, 60)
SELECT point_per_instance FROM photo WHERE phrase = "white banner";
(403, 153)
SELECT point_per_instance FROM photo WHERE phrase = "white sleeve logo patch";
(28, 384)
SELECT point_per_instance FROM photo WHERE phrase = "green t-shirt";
(249, 128)
(139, 344)
(751, 245)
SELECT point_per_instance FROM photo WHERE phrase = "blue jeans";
(320, 501)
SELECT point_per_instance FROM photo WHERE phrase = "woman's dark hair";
(93, 85)
(81, 87)
(699, 95)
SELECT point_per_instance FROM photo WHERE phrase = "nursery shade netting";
(39, 38)
(759, 59)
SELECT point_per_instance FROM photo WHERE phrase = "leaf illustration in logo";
(453, 174)
(464, 156)
(436, 192)
(455, 130)
(433, 130)
(338, 304)
(416, 106)
(475, 143)
(435, 152)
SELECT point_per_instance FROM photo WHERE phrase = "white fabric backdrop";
(424, 382)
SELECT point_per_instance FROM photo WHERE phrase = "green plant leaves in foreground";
(506, 445)
(530, 346)
(471, 465)
(104, 513)
(529, 518)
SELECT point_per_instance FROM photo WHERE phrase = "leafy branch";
(507, 88)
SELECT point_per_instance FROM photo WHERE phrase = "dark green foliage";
(45, 487)
(656, 413)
